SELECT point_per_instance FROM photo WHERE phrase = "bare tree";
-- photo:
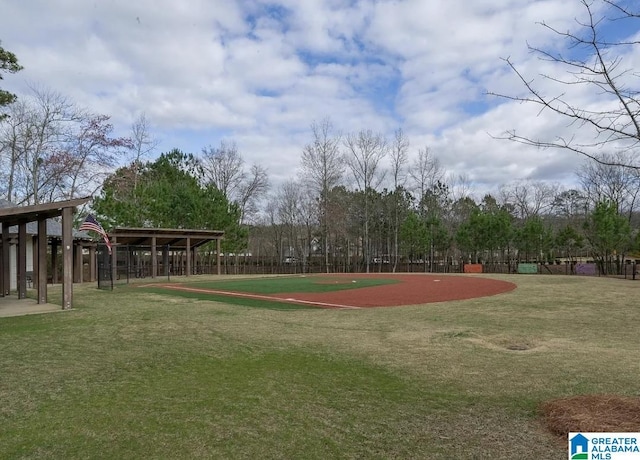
(252, 189)
(34, 142)
(604, 182)
(572, 205)
(51, 126)
(275, 229)
(142, 141)
(365, 150)
(322, 168)
(612, 119)
(52, 149)
(224, 167)
(460, 186)
(88, 157)
(12, 132)
(529, 198)
(289, 215)
(425, 172)
(399, 153)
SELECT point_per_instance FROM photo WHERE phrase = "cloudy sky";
(260, 72)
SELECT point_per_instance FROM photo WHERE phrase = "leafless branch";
(615, 127)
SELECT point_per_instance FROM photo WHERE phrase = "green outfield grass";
(135, 374)
(302, 283)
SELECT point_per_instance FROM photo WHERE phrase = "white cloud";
(261, 72)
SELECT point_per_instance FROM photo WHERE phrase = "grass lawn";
(136, 374)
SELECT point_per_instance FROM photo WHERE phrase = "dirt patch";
(592, 413)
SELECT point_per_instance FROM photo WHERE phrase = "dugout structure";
(154, 252)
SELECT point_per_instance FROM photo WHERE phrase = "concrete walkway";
(11, 306)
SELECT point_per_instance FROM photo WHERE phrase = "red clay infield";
(411, 289)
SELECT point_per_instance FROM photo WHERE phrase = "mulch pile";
(592, 413)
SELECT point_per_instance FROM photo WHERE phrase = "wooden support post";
(218, 245)
(93, 262)
(154, 258)
(21, 260)
(67, 258)
(34, 260)
(77, 263)
(188, 254)
(54, 261)
(114, 259)
(165, 259)
(5, 279)
(42, 260)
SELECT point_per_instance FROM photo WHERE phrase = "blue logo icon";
(579, 447)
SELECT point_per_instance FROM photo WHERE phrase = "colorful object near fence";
(473, 268)
(586, 269)
(528, 269)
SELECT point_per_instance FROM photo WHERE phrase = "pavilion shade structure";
(26, 221)
(175, 238)
(151, 241)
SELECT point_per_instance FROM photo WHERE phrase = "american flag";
(91, 224)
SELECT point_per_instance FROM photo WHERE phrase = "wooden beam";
(42, 260)
(67, 258)
(14, 215)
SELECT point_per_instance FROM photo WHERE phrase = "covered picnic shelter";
(165, 240)
(20, 216)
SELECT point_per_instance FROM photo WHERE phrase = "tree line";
(341, 213)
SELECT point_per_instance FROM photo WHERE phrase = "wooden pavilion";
(164, 240)
(20, 216)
